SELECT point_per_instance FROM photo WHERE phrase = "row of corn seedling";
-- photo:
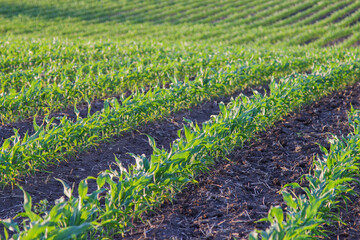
(43, 77)
(54, 142)
(328, 182)
(142, 16)
(123, 195)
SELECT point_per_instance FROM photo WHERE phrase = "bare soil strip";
(43, 185)
(346, 15)
(297, 12)
(356, 44)
(337, 41)
(330, 13)
(227, 201)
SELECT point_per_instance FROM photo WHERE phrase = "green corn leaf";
(100, 180)
(152, 142)
(289, 200)
(76, 111)
(67, 189)
(71, 232)
(253, 235)
(28, 206)
(277, 213)
(83, 189)
(36, 127)
(293, 185)
(9, 224)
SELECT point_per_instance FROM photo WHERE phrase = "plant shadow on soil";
(89, 163)
(226, 203)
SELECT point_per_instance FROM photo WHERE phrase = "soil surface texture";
(227, 201)
(43, 184)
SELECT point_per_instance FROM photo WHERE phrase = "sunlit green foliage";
(146, 60)
(52, 142)
(129, 193)
(260, 22)
(42, 77)
(330, 179)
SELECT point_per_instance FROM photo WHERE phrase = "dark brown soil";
(329, 13)
(337, 41)
(227, 202)
(308, 41)
(294, 13)
(304, 17)
(346, 15)
(236, 193)
(354, 22)
(356, 44)
(90, 163)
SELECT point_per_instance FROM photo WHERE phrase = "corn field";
(185, 89)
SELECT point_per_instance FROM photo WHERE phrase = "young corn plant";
(36, 82)
(50, 143)
(329, 182)
(127, 193)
